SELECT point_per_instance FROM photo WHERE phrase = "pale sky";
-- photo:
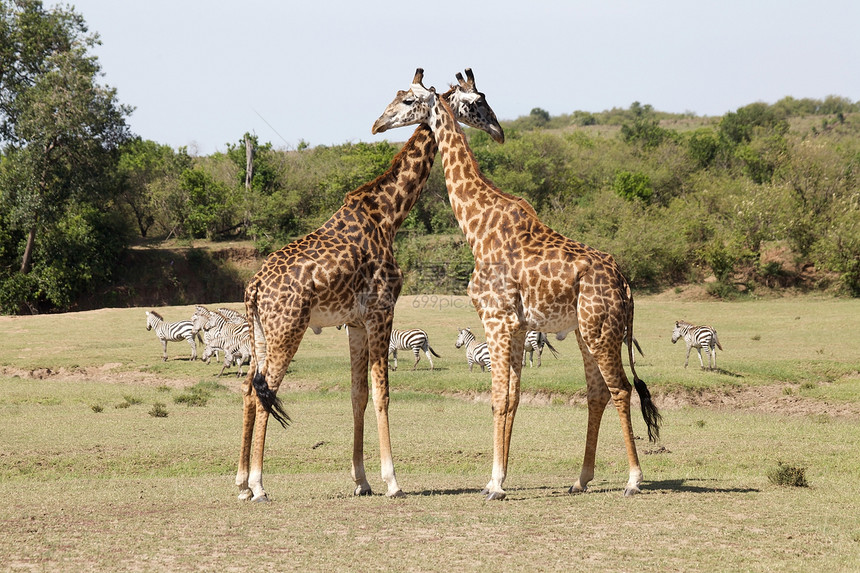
(202, 73)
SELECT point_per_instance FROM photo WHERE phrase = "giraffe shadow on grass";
(694, 486)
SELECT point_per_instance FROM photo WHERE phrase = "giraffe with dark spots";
(528, 277)
(342, 273)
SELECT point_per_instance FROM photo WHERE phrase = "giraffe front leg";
(358, 369)
(378, 335)
(505, 400)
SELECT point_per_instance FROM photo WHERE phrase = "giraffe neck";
(472, 196)
(386, 200)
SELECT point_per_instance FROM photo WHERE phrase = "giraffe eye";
(409, 101)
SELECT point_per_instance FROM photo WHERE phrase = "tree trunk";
(27, 260)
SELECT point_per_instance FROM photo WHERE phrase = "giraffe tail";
(650, 413)
(265, 397)
(269, 400)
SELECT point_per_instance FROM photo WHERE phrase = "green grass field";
(90, 479)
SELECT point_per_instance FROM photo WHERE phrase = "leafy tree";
(60, 129)
(145, 170)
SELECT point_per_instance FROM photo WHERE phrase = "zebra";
(171, 332)
(236, 348)
(535, 341)
(212, 323)
(698, 337)
(476, 352)
(415, 339)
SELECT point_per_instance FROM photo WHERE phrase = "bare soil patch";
(771, 399)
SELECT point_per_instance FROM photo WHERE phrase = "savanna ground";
(92, 479)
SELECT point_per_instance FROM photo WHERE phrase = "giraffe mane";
(391, 169)
(521, 202)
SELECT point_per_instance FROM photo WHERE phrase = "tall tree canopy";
(60, 131)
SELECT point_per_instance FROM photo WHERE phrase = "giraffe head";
(415, 105)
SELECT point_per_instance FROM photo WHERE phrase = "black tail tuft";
(552, 349)
(649, 409)
(270, 401)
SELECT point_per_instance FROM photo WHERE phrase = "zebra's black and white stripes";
(415, 340)
(236, 348)
(218, 325)
(698, 337)
(476, 352)
(535, 341)
(171, 332)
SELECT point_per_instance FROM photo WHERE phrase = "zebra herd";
(225, 331)
(221, 331)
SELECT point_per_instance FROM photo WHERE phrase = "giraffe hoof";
(362, 491)
(245, 495)
(575, 489)
(496, 496)
(261, 499)
(485, 491)
(398, 493)
(630, 491)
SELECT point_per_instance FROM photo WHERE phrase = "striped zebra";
(535, 341)
(171, 332)
(698, 337)
(414, 339)
(220, 322)
(236, 348)
(476, 352)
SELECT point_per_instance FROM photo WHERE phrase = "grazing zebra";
(535, 341)
(236, 348)
(476, 352)
(415, 339)
(171, 332)
(698, 337)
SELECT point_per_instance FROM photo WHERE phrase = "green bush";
(786, 475)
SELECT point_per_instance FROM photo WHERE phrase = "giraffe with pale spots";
(529, 277)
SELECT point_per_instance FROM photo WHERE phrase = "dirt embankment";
(770, 399)
(171, 275)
